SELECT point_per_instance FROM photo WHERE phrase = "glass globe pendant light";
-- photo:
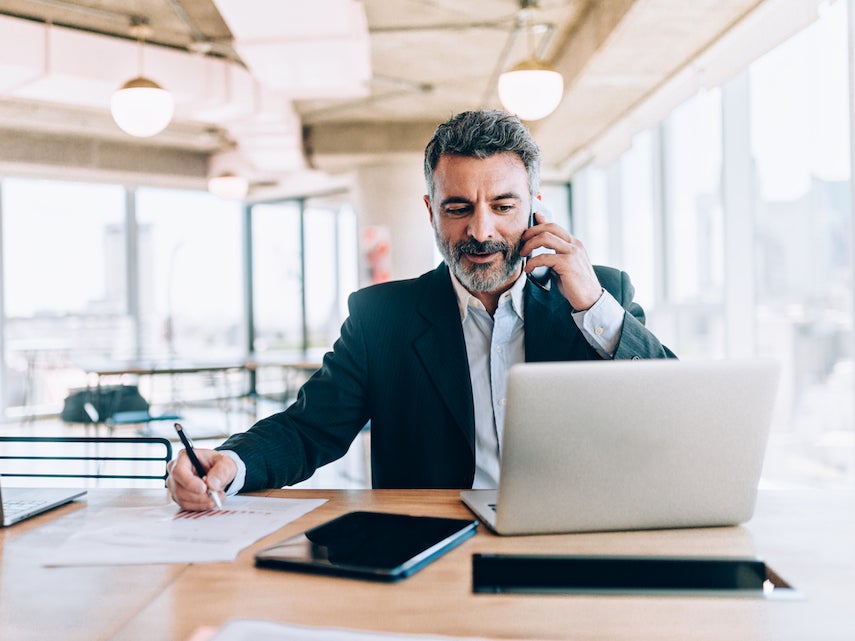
(141, 107)
(531, 89)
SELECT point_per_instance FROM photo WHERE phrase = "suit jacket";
(401, 365)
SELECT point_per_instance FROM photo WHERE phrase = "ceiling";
(310, 89)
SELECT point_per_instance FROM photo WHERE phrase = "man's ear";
(429, 208)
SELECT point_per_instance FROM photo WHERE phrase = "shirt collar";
(466, 299)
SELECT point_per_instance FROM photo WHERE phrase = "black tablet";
(622, 574)
(371, 545)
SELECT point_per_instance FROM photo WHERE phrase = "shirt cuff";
(601, 324)
(240, 477)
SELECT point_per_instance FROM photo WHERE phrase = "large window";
(638, 239)
(277, 272)
(799, 123)
(304, 266)
(95, 273)
(190, 275)
(737, 207)
(64, 288)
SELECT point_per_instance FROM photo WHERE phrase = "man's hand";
(577, 281)
(191, 492)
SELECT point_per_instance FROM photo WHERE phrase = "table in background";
(807, 537)
(294, 369)
(155, 367)
(219, 372)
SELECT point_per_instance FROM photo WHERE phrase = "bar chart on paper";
(165, 534)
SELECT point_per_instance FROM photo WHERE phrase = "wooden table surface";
(807, 537)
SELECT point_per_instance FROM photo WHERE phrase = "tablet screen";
(374, 545)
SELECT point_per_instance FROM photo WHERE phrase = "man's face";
(479, 210)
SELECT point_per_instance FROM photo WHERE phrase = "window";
(277, 276)
(694, 226)
(799, 124)
(788, 235)
(590, 212)
(64, 290)
(304, 267)
(638, 231)
(331, 269)
(190, 275)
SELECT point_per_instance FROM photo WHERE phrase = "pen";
(201, 471)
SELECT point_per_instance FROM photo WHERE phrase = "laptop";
(19, 503)
(630, 445)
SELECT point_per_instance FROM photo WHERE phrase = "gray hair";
(480, 134)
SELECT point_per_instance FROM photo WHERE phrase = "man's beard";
(480, 277)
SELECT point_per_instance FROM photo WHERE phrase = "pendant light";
(229, 186)
(531, 89)
(141, 107)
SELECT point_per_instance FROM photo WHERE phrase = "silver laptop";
(19, 503)
(627, 445)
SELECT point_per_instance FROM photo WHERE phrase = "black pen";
(201, 471)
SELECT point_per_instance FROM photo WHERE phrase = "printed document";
(166, 534)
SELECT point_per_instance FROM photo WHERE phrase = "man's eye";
(504, 208)
(456, 211)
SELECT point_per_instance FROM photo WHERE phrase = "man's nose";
(481, 224)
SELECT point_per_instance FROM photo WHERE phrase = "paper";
(165, 534)
(259, 630)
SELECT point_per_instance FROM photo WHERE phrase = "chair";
(138, 460)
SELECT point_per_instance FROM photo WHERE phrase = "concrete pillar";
(390, 196)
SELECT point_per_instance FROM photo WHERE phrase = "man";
(425, 360)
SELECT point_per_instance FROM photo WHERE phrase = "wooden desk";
(805, 536)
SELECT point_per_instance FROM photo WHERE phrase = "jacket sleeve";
(636, 341)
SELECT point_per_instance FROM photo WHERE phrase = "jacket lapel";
(550, 331)
(442, 350)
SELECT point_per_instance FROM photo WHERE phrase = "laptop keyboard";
(14, 507)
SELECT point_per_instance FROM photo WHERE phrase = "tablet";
(747, 576)
(371, 545)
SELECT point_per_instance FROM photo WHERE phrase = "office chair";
(124, 461)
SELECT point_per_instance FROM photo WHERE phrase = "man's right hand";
(190, 491)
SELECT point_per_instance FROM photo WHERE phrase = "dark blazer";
(401, 364)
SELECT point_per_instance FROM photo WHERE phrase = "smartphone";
(539, 276)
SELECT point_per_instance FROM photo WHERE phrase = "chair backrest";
(117, 461)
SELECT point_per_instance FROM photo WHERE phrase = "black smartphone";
(539, 276)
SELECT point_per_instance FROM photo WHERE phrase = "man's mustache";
(473, 246)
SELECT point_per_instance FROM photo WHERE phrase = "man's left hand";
(576, 279)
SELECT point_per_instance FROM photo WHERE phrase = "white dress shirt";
(495, 343)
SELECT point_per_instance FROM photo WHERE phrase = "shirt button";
(503, 402)
(599, 331)
(498, 350)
